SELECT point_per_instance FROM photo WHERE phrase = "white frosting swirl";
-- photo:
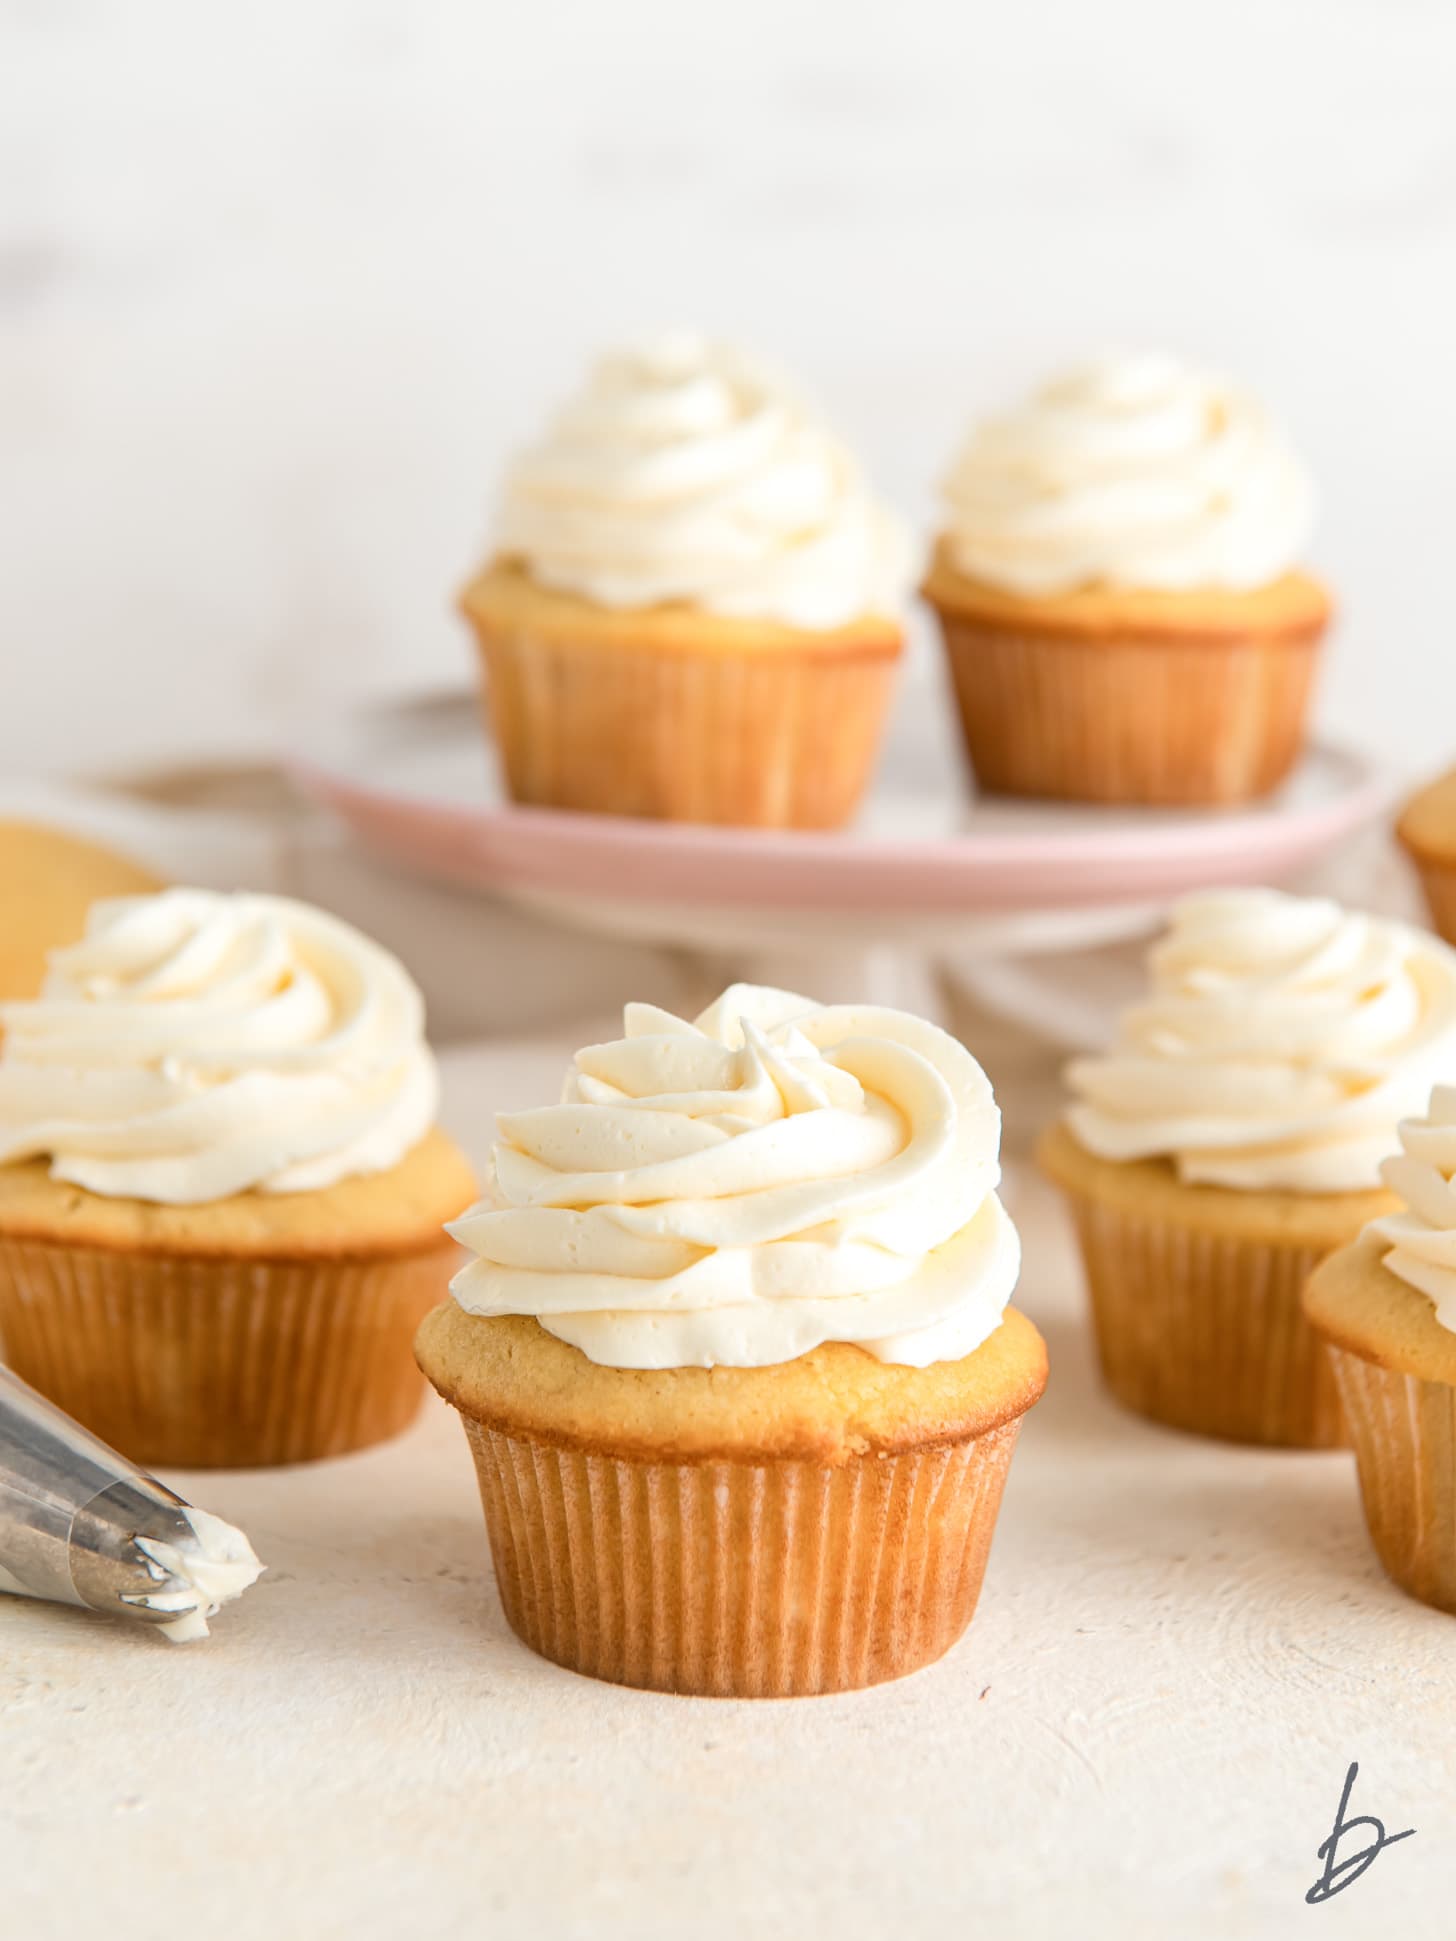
(1134, 472)
(196, 1579)
(686, 473)
(1283, 1041)
(1423, 1238)
(194, 1045)
(737, 1191)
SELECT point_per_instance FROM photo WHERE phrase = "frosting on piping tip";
(196, 1580)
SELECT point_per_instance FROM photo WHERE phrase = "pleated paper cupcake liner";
(225, 1363)
(771, 739)
(1147, 721)
(1438, 882)
(1205, 1332)
(729, 1579)
(1404, 1432)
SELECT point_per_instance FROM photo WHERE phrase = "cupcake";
(221, 1186)
(1427, 833)
(694, 607)
(48, 881)
(734, 1354)
(1232, 1137)
(1386, 1307)
(1118, 588)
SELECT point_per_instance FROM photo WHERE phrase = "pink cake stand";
(927, 862)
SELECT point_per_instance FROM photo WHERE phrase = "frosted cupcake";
(221, 1185)
(1386, 1306)
(695, 605)
(734, 1354)
(1232, 1137)
(1119, 590)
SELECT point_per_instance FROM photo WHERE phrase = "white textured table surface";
(1179, 1650)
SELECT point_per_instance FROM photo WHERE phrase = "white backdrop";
(280, 284)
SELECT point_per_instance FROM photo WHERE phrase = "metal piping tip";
(79, 1524)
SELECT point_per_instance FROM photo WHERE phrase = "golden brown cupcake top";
(1151, 1189)
(1294, 605)
(1392, 1297)
(829, 1406)
(505, 598)
(1357, 1303)
(396, 1212)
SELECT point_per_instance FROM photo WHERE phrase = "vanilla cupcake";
(1119, 590)
(1232, 1137)
(1386, 1307)
(221, 1184)
(694, 608)
(734, 1354)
